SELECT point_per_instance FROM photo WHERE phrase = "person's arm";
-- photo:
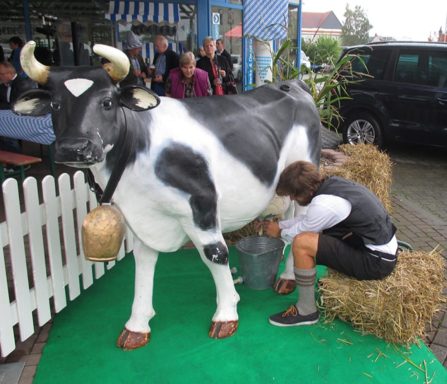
(210, 89)
(324, 212)
(168, 86)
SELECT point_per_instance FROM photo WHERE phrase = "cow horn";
(35, 70)
(119, 65)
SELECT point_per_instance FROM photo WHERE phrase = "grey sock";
(305, 281)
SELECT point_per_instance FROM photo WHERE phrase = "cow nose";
(83, 151)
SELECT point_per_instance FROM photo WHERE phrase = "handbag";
(230, 85)
(218, 89)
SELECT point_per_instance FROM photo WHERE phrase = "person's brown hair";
(299, 179)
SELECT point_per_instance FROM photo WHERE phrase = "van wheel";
(362, 128)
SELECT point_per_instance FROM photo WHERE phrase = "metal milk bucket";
(259, 258)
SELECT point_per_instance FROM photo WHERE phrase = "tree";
(356, 27)
(325, 50)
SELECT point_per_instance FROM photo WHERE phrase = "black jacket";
(131, 79)
(368, 219)
(172, 61)
(205, 64)
(18, 86)
(227, 56)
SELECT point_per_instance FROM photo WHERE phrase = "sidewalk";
(419, 196)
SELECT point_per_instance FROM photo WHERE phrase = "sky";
(401, 19)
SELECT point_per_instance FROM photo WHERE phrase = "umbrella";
(235, 31)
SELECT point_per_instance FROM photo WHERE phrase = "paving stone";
(32, 359)
(10, 373)
(44, 332)
(28, 375)
(440, 352)
(441, 337)
(38, 348)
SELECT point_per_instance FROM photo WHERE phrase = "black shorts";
(356, 261)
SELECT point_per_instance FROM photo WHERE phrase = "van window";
(372, 63)
(437, 70)
(407, 69)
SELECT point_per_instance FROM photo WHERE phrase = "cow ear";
(138, 98)
(35, 102)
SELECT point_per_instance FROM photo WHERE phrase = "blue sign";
(248, 75)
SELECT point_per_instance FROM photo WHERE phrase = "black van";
(403, 97)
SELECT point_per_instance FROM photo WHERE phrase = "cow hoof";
(284, 286)
(128, 340)
(223, 329)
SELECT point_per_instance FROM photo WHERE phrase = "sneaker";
(291, 318)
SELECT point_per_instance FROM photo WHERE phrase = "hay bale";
(396, 308)
(367, 165)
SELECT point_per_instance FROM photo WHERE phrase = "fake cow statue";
(193, 168)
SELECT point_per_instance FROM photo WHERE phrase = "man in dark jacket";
(345, 228)
(221, 51)
(165, 59)
(11, 87)
(138, 70)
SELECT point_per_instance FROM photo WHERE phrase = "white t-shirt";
(325, 211)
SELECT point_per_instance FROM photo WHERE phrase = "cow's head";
(87, 107)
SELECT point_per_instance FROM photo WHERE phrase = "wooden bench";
(17, 160)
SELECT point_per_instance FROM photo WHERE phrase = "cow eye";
(107, 104)
(55, 106)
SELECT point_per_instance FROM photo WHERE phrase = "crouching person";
(345, 228)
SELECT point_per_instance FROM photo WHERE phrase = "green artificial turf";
(81, 347)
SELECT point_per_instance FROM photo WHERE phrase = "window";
(407, 68)
(372, 63)
(437, 70)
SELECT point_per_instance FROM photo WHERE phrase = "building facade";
(66, 31)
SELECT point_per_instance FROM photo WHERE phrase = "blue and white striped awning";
(143, 11)
(265, 19)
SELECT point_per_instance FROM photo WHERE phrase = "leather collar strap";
(105, 197)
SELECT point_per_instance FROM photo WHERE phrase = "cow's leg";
(181, 168)
(225, 320)
(137, 331)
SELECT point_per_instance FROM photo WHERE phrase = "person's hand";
(222, 72)
(217, 82)
(271, 228)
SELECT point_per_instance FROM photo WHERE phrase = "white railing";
(43, 268)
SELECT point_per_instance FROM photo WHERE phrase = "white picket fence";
(57, 265)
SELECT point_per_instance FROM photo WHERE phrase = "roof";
(320, 20)
(418, 44)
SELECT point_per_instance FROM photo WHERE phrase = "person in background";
(11, 87)
(200, 53)
(138, 70)
(220, 50)
(16, 44)
(165, 60)
(345, 228)
(216, 66)
(187, 80)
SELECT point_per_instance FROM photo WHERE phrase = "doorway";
(227, 25)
